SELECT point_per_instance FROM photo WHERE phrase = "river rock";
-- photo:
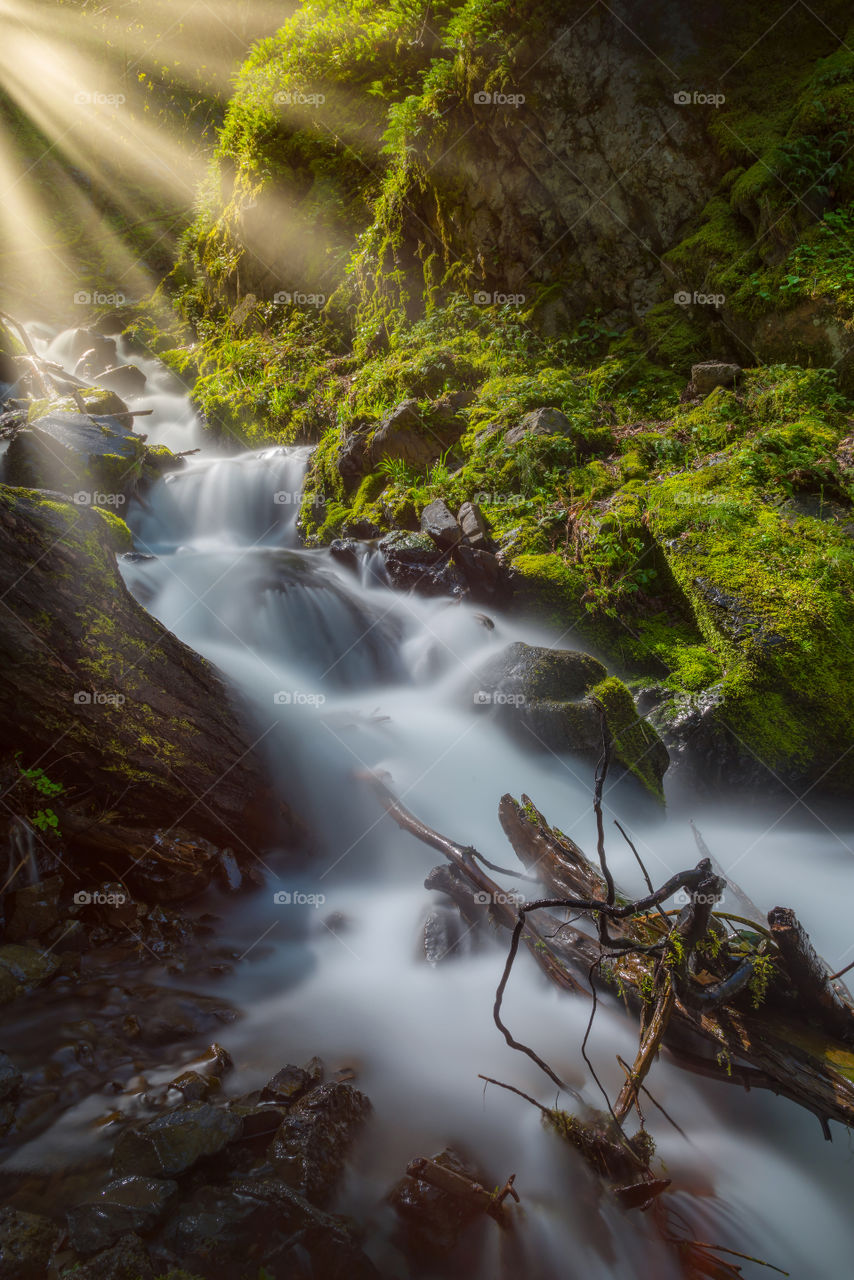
(22, 969)
(69, 452)
(432, 1220)
(10, 1078)
(26, 1243)
(312, 1143)
(126, 1260)
(125, 379)
(540, 422)
(97, 346)
(129, 1204)
(413, 562)
(487, 577)
(289, 1084)
(345, 552)
(175, 1141)
(709, 375)
(440, 524)
(549, 699)
(259, 1222)
(144, 716)
(34, 910)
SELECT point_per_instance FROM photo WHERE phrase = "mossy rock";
(553, 699)
(96, 461)
(139, 715)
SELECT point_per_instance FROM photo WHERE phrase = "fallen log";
(740, 1014)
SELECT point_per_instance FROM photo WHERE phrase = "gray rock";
(440, 524)
(128, 1204)
(710, 374)
(312, 1143)
(175, 1141)
(288, 1085)
(487, 577)
(540, 422)
(87, 342)
(125, 379)
(473, 525)
(414, 436)
(10, 1078)
(345, 552)
(537, 674)
(26, 1243)
(432, 1220)
(352, 461)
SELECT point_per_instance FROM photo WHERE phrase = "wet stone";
(287, 1085)
(32, 911)
(23, 969)
(128, 1204)
(174, 1142)
(26, 1242)
(126, 1260)
(312, 1144)
(10, 1078)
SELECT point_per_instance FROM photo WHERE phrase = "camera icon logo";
(482, 299)
(683, 298)
(282, 898)
(482, 99)
(482, 698)
(82, 698)
(283, 498)
(482, 899)
(283, 698)
(82, 297)
(682, 98)
(82, 898)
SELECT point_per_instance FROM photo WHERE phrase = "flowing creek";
(339, 674)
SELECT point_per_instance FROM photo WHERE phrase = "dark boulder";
(138, 713)
(313, 1142)
(175, 1141)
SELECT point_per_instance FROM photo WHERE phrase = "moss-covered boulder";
(94, 456)
(139, 730)
(554, 700)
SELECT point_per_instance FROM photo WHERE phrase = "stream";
(338, 674)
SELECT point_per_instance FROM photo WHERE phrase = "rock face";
(550, 699)
(132, 710)
(26, 1243)
(132, 1203)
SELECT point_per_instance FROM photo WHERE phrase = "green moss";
(119, 535)
(635, 743)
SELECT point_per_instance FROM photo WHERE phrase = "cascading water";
(340, 675)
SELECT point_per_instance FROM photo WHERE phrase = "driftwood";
(762, 1016)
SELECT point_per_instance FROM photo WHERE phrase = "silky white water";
(339, 675)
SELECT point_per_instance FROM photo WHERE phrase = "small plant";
(43, 818)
